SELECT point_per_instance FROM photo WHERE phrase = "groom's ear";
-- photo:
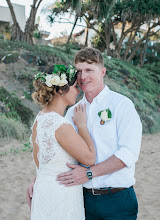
(103, 71)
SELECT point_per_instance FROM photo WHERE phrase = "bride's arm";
(80, 146)
(35, 146)
(29, 193)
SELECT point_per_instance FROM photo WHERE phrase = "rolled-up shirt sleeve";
(129, 133)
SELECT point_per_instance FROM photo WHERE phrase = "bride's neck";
(56, 105)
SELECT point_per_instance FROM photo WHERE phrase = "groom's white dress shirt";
(121, 136)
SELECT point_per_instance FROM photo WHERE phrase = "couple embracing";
(102, 132)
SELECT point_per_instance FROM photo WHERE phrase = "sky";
(57, 29)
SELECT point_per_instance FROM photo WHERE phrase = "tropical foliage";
(137, 21)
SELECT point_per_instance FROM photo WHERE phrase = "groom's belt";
(103, 191)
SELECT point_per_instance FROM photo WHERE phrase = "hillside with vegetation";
(20, 62)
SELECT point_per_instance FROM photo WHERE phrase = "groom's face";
(90, 76)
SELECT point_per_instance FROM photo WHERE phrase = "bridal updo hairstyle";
(44, 94)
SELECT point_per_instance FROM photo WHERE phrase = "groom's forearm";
(111, 165)
(78, 174)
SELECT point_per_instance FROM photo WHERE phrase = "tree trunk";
(12, 11)
(75, 22)
(30, 24)
(145, 52)
(107, 29)
(132, 55)
(17, 34)
(86, 37)
(88, 25)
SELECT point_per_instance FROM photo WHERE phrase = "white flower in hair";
(62, 82)
(72, 71)
(63, 76)
(48, 80)
(55, 80)
(52, 80)
(59, 77)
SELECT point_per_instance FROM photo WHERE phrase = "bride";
(55, 143)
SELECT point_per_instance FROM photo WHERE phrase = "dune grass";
(11, 128)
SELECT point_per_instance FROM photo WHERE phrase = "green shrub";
(53, 54)
(11, 128)
(154, 67)
(17, 109)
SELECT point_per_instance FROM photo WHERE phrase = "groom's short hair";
(89, 55)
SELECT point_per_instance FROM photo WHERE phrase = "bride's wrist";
(82, 126)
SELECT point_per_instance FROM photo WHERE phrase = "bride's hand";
(80, 117)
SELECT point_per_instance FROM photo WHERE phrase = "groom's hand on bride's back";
(76, 176)
(30, 192)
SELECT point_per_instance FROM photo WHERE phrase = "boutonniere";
(105, 115)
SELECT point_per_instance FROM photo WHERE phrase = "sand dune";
(17, 170)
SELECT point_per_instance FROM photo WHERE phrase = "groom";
(108, 185)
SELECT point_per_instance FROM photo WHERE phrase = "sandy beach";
(17, 170)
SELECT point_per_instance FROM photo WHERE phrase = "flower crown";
(58, 77)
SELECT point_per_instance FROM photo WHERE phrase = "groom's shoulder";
(117, 98)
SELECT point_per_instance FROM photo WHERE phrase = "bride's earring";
(61, 93)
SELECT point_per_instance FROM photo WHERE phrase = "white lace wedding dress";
(52, 201)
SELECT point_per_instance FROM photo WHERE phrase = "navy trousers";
(122, 205)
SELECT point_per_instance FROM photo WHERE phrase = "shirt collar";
(99, 97)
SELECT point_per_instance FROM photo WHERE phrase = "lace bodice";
(49, 148)
(50, 199)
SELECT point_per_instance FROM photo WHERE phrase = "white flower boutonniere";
(105, 115)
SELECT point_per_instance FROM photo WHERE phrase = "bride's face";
(71, 96)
